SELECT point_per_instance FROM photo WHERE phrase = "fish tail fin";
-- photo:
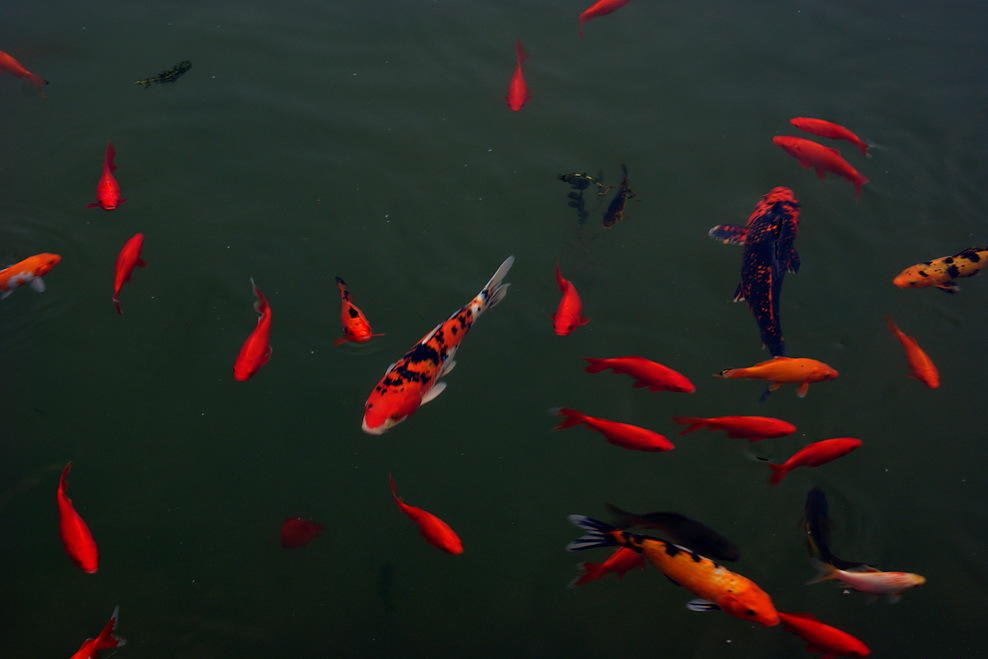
(692, 423)
(778, 473)
(341, 285)
(338, 341)
(860, 181)
(116, 305)
(825, 572)
(109, 158)
(394, 489)
(588, 572)
(891, 325)
(729, 234)
(520, 54)
(570, 417)
(594, 365)
(864, 149)
(107, 640)
(598, 534)
(560, 280)
(63, 479)
(262, 302)
(495, 290)
(729, 373)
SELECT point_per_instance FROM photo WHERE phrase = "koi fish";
(922, 367)
(615, 210)
(569, 313)
(598, 9)
(647, 374)
(942, 272)
(356, 327)
(10, 64)
(716, 586)
(256, 350)
(298, 532)
(78, 541)
(517, 89)
(29, 271)
(813, 155)
(106, 640)
(107, 189)
(171, 75)
(681, 530)
(128, 258)
(413, 380)
(620, 562)
(436, 532)
(823, 639)
(752, 428)
(867, 579)
(816, 525)
(824, 128)
(769, 239)
(814, 455)
(624, 435)
(785, 370)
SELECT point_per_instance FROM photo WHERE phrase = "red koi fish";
(814, 455)
(823, 159)
(752, 428)
(624, 435)
(569, 313)
(256, 350)
(29, 271)
(356, 327)
(517, 89)
(128, 259)
(922, 367)
(107, 189)
(78, 541)
(823, 639)
(647, 374)
(436, 532)
(621, 561)
(824, 128)
(598, 9)
(106, 640)
(413, 380)
(298, 532)
(10, 64)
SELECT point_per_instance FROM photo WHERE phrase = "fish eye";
(749, 612)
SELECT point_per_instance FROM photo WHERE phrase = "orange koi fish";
(356, 327)
(647, 374)
(824, 128)
(569, 313)
(29, 271)
(128, 259)
(823, 639)
(517, 89)
(598, 9)
(620, 562)
(785, 370)
(624, 435)
(436, 532)
(413, 380)
(752, 428)
(813, 155)
(942, 272)
(106, 640)
(922, 367)
(714, 585)
(78, 541)
(10, 64)
(814, 455)
(866, 579)
(256, 350)
(107, 189)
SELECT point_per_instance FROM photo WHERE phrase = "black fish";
(171, 75)
(681, 530)
(579, 182)
(816, 524)
(615, 210)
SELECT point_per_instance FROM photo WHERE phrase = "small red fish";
(517, 89)
(828, 129)
(647, 374)
(435, 531)
(814, 455)
(78, 541)
(298, 532)
(107, 189)
(569, 313)
(822, 158)
(618, 563)
(922, 367)
(256, 350)
(823, 639)
(356, 327)
(10, 64)
(106, 640)
(624, 435)
(128, 258)
(600, 8)
(752, 428)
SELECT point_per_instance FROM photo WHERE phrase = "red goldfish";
(29, 271)
(569, 313)
(652, 375)
(107, 189)
(624, 435)
(784, 370)
(356, 327)
(920, 363)
(600, 8)
(9, 64)
(752, 428)
(517, 89)
(106, 640)
(825, 128)
(128, 258)
(78, 541)
(256, 350)
(823, 159)
(814, 455)
(618, 563)
(435, 531)
(823, 639)
(298, 532)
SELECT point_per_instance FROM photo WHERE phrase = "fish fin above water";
(434, 392)
(729, 234)
(701, 605)
(38, 284)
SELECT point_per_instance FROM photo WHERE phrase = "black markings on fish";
(615, 210)
(681, 530)
(953, 272)
(171, 75)
(816, 525)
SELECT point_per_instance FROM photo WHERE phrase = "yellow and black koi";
(615, 210)
(942, 272)
(171, 75)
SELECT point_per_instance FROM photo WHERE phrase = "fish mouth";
(376, 430)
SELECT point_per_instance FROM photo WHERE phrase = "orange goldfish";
(436, 532)
(517, 89)
(620, 562)
(785, 370)
(29, 271)
(647, 374)
(128, 258)
(569, 313)
(624, 435)
(600, 8)
(256, 349)
(823, 639)
(107, 189)
(356, 327)
(752, 428)
(813, 155)
(106, 640)
(828, 129)
(76, 537)
(10, 64)
(920, 363)
(814, 455)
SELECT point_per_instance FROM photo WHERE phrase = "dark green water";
(371, 140)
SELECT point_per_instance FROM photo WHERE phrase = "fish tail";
(495, 290)
(560, 280)
(588, 572)
(63, 479)
(107, 639)
(595, 365)
(110, 156)
(825, 572)
(116, 305)
(394, 489)
(892, 326)
(520, 54)
(730, 373)
(692, 423)
(778, 473)
(570, 417)
(262, 302)
(863, 146)
(858, 182)
(598, 534)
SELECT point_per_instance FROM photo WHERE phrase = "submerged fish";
(622, 560)
(128, 259)
(620, 434)
(10, 64)
(615, 210)
(436, 532)
(814, 455)
(813, 155)
(28, 271)
(600, 8)
(823, 639)
(298, 532)
(646, 373)
(867, 579)
(752, 428)
(171, 75)
(828, 129)
(517, 94)
(922, 367)
(105, 640)
(107, 189)
(943, 272)
(681, 530)
(785, 370)
(356, 327)
(569, 311)
(76, 537)
(816, 525)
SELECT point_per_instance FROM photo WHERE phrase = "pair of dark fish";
(816, 525)
(680, 530)
(580, 181)
(171, 75)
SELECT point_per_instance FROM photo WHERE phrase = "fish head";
(388, 405)
(45, 263)
(751, 604)
(908, 580)
(791, 145)
(827, 372)
(913, 277)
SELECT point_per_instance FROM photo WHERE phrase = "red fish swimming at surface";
(128, 259)
(356, 327)
(922, 367)
(107, 189)
(435, 531)
(824, 128)
(814, 455)
(256, 350)
(10, 64)
(76, 537)
(620, 562)
(106, 640)
(624, 435)
(517, 89)
(600, 8)
(647, 374)
(414, 379)
(298, 532)
(752, 428)
(569, 312)
(29, 271)
(813, 155)
(823, 639)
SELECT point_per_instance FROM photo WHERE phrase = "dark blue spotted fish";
(615, 210)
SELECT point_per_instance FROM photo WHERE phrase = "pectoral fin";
(448, 367)
(803, 389)
(729, 234)
(434, 392)
(701, 605)
(38, 284)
